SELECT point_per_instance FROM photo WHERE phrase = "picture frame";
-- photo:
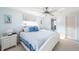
(7, 19)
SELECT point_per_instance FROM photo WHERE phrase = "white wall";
(46, 21)
(16, 19)
(60, 24)
(30, 13)
(30, 17)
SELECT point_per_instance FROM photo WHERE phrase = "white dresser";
(8, 41)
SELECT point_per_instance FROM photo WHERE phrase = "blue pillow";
(33, 29)
(36, 28)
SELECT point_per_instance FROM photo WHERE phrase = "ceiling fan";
(47, 11)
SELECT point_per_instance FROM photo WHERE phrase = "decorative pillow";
(33, 29)
(36, 28)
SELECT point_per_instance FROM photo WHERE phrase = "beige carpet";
(63, 45)
(19, 47)
(67, 45)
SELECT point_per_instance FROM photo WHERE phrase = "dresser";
(8, 41)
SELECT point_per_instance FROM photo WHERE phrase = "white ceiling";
(36, 10)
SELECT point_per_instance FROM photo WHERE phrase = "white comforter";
(37, 38)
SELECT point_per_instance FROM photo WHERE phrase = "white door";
(71, 27)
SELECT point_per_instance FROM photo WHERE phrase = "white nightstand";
(8, 41)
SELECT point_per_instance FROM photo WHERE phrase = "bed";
(42, 40)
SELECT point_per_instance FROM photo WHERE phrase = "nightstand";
(8, 41)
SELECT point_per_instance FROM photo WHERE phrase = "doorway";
(53, 24)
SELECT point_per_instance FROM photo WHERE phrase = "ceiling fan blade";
(46, 8)
(51, 14)
(46, 11)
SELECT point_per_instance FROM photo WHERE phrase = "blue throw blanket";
(27, 44)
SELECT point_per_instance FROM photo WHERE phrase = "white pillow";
(26, 29)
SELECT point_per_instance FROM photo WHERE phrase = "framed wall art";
(7, 19)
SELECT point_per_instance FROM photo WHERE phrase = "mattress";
(36, 39)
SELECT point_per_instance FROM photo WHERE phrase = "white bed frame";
(48, 45)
